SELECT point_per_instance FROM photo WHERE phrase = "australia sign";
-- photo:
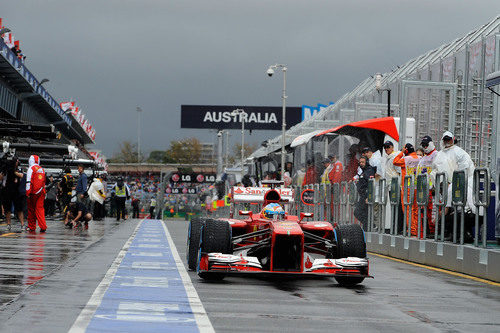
(221, 117)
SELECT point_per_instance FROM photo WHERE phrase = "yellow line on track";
(9, 234)
(441, 270)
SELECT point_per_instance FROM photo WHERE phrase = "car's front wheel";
(350, 243)
(193, 241)
(216, 237)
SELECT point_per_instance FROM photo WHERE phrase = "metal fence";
(336, 203)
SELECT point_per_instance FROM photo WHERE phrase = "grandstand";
(31, 120)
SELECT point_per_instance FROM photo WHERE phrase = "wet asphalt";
(47, 279)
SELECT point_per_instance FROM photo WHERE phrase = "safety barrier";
(440, 201)
(481, 198)
(408, 194)
(422, 202)
(337, 202)
(395, 200)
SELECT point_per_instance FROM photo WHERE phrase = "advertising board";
(220, 117)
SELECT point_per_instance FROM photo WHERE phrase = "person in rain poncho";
(458, 160)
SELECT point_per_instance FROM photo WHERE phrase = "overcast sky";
(111, 56)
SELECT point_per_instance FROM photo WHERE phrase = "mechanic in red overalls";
(35, 191)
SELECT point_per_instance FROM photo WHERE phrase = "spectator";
(325, 177)
(352, 164)
(427, 165)
(122, 193)
(35, 191)
(287, 177)
(66, 186)
(50, 199)
(408, 161)
(246, 181)
(97, 196)
(389, 170)
(361, 209)
(9, 184)
(135, 207)
(76, 214)
(335, 175)
(311, 175)
(459, 160)
(81, 185)
(20, 204)
(112, 204)
(420, 152)
(374, 159)
(152, 206)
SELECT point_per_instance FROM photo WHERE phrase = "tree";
(159, 156)
(186, 151)
(247, 151)
(126, 154)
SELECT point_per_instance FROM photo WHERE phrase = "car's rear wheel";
(216, 237)
(193, 241)
(350, 243)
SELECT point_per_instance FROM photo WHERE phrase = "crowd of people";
(426, 159)
(76, 200)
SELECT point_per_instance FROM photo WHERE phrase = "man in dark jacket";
(367, 172)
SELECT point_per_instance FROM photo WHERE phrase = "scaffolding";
(466, 62)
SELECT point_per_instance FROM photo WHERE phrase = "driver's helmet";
(273, 211)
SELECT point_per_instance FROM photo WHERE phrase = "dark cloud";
(113, 55)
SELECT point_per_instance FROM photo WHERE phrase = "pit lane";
(400, 297)
(47, 279)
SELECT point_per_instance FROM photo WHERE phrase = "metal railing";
(337, 202)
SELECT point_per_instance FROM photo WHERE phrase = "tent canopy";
(385, 125)
(304, 138)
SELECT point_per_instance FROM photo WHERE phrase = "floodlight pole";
(283, 121)
(241, 113)
(139, 110)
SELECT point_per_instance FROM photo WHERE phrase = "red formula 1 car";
(275, 244)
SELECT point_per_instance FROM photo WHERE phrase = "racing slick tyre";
(193, 241)
(216, 237)
(350, 243)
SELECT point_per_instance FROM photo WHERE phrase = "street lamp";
(44, 80)
(242, 114)
(270, 72)
(139, 111)
(378, 86)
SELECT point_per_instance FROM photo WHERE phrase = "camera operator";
(10, 178)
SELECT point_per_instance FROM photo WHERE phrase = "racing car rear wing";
(242, 194)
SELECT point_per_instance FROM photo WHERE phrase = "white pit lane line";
(203, 322)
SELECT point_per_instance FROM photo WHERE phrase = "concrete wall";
(467, 259)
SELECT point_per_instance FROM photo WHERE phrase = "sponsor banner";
(175, 190)
(310, 111)
(193, 178)
(220, 117)
(256, 194)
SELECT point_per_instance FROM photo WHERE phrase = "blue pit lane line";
(147, 289)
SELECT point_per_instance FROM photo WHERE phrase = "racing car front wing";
(233, 264)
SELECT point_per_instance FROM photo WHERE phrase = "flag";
(7, 37)
(65, 106)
